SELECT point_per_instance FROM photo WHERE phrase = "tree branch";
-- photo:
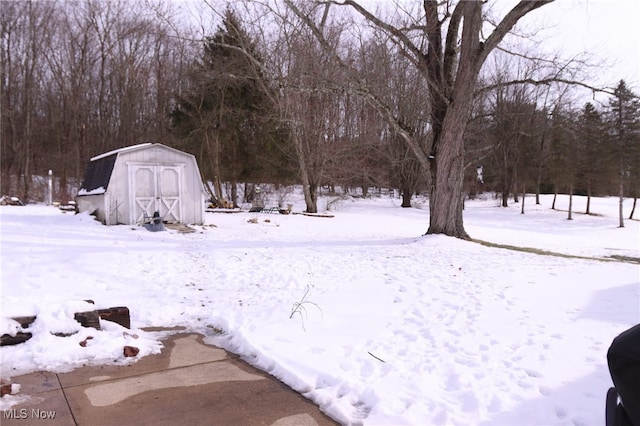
(396, 32)
(544, 81)
(450, 57)
(508, 22)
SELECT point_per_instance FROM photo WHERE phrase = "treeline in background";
(257, 100)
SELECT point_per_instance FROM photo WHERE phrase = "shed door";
(156, 188)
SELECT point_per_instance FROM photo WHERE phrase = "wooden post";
(50, 189)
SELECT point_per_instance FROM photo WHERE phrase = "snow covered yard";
(361, 313)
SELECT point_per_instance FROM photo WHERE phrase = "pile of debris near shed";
(7, 200)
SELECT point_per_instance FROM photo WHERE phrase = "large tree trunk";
(310, 193)
(449, 116)
(406, 197)
(217, 181)
(447, 177)
(312, 203)
(447, 152)
(505, 198)
(309, 190)
(452, 94)
(234, 194)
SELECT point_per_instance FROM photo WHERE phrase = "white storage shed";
(128, 185)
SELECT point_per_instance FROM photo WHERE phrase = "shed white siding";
(145, 179)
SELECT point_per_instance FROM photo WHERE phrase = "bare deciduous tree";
(445, 43)
(26, 33)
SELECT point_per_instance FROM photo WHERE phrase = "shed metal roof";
(97, 174)
(119, 150)
(99, 169)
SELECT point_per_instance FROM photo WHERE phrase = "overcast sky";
(608, 29)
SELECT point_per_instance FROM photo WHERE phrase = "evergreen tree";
(227, 114)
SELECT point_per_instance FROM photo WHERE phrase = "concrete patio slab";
(189, 382)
